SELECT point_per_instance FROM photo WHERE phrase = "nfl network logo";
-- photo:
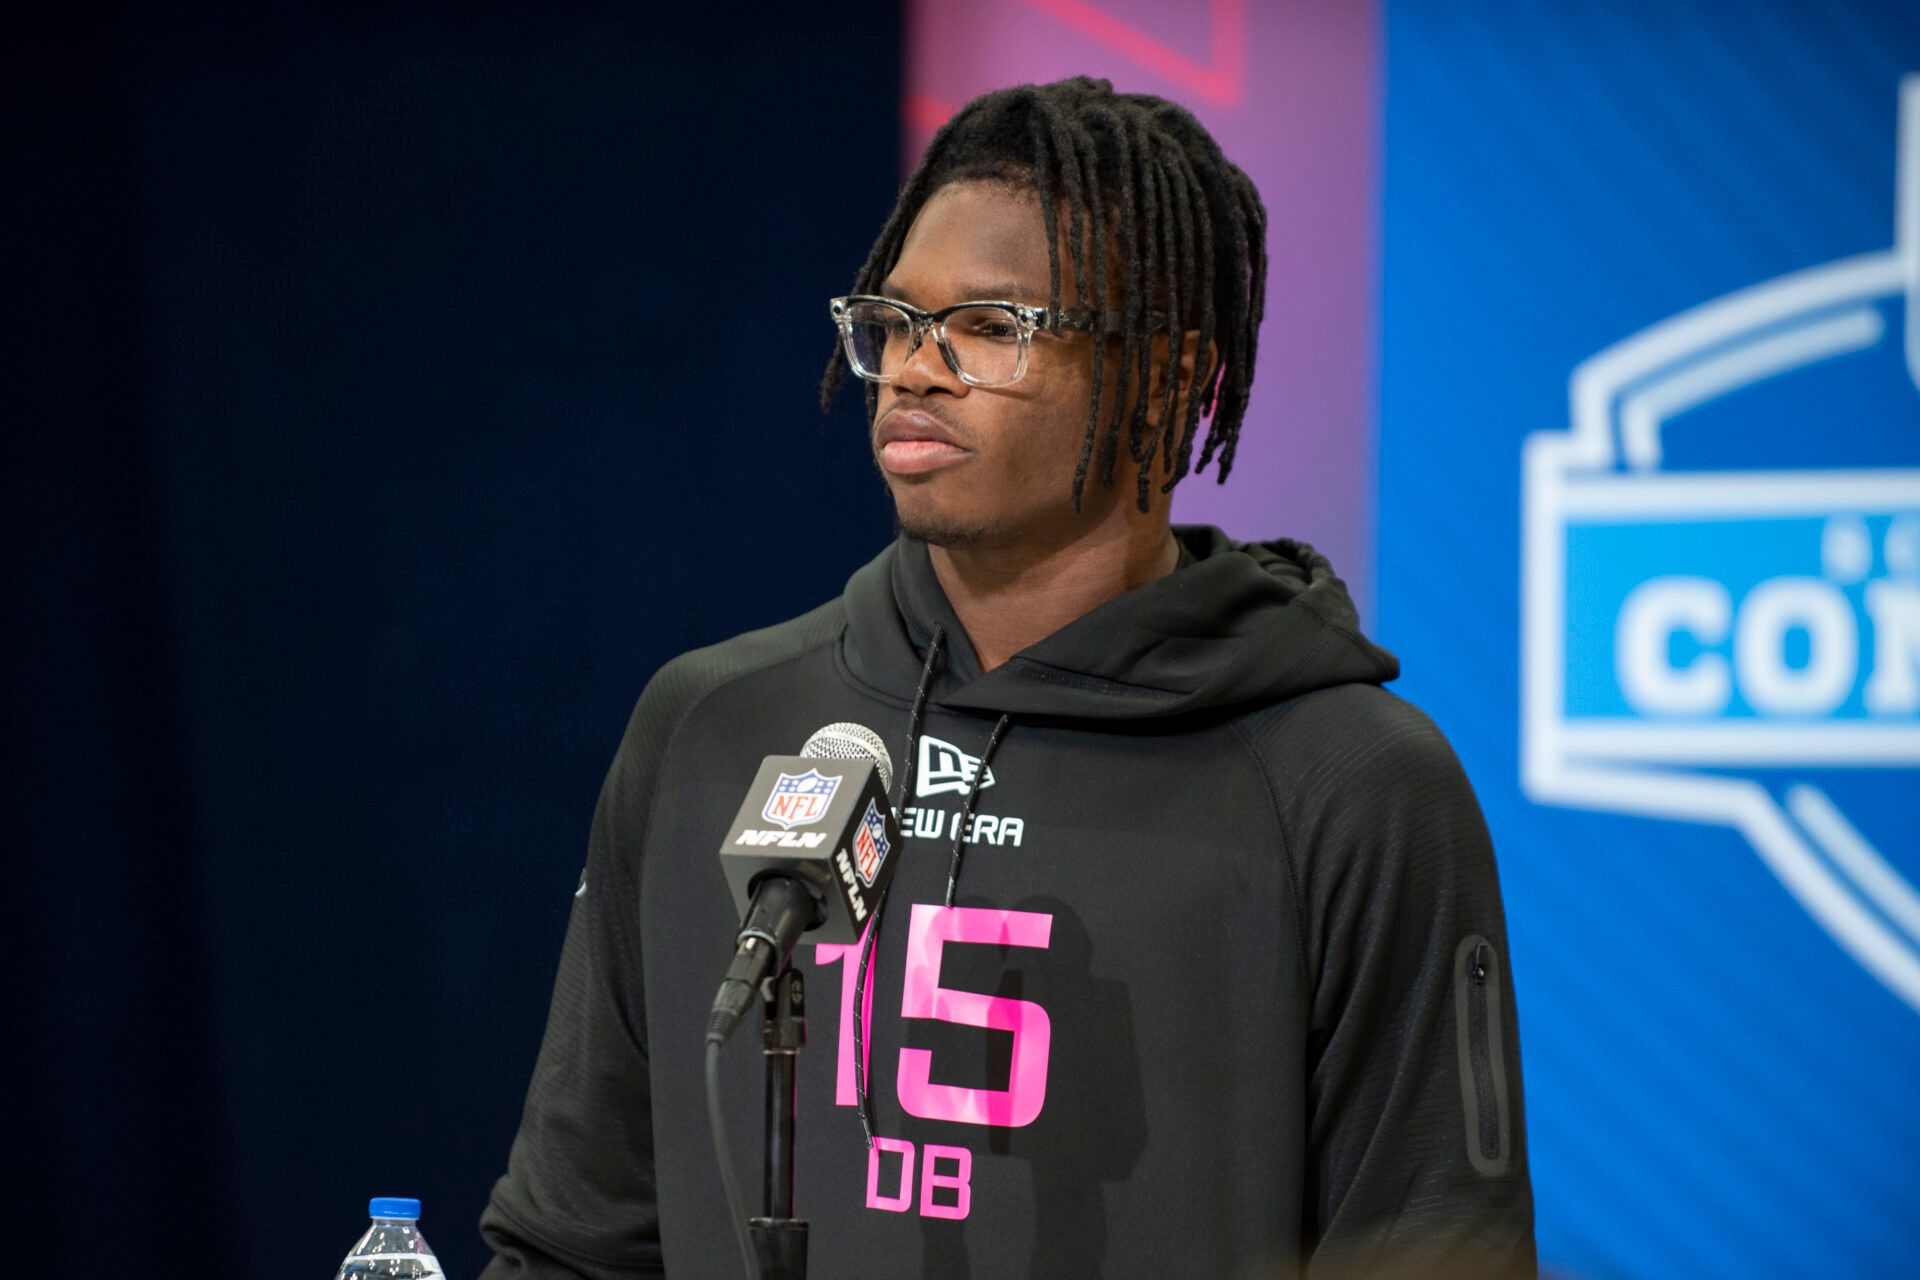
(799, 798)
(870, 845)
(1739, 647)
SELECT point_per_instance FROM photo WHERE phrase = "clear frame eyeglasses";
(984, 343)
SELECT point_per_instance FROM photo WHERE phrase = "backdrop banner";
(1649, 378)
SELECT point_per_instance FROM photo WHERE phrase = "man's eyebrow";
(994, 291)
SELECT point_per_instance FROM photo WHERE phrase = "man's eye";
(989, 326)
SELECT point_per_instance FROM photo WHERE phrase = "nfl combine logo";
(799, 798)
(1723, 643)
(870, 846)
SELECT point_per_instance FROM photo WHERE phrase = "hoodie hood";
(1236, 623)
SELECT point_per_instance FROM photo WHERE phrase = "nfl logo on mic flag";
(870, 846)
(799, 798)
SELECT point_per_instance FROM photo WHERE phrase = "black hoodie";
(1222, 989)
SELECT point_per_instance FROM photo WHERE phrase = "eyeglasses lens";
(985, 341)
(878, 338)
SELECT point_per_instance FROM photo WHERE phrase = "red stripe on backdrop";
(1220, 83)
(925, 115)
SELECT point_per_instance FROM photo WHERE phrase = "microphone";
(810, 851)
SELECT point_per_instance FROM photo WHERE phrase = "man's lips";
(912, 443)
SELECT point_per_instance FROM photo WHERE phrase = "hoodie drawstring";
(935, 648)
(966, 808)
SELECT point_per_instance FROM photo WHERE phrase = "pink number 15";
(930, 930)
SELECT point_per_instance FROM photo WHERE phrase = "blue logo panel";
(1649, 543)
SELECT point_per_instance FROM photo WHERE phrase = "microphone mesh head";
(848, 741)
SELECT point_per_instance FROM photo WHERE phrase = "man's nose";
(927, 370)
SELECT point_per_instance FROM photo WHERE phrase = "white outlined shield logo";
(798, 799)
(1692, 636)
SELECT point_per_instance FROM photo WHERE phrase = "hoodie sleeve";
(578, 1196)
(1417, 1161)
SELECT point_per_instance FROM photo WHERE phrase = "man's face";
(985, 466)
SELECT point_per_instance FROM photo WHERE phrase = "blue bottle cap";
(393, 1207)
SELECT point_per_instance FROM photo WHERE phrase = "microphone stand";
(779, 1238)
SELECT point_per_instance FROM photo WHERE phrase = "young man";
(1194, 962)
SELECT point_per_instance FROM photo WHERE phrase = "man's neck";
(1009, 598)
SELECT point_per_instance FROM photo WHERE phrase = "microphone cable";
(729, 1179)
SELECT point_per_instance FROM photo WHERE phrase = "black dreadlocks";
(1147, 189)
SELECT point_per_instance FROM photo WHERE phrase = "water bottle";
(393, 1245)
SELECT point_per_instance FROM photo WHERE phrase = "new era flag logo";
(945, 768)
(799, 798)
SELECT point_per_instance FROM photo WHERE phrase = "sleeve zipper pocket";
(1483, 1076)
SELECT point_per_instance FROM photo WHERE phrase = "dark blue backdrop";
(393, 395)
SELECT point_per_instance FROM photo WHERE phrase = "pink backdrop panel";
(1291, 90)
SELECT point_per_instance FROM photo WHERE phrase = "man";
(1193, 964)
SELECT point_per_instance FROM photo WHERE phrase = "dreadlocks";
(1148, 191)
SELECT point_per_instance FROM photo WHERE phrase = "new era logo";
(945, 768)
